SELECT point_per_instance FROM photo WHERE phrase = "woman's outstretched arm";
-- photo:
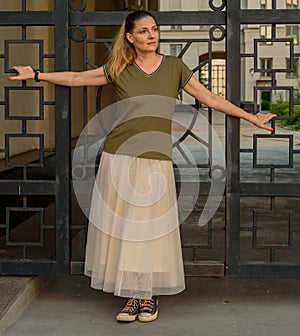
(198, 91)
(93, 77)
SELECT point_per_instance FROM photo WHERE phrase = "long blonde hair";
(123, 52)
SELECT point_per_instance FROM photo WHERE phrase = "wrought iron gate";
(35, 187)
(27, 187)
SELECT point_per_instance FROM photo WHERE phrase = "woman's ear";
(129, 37)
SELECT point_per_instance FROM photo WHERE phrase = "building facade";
(271, 55)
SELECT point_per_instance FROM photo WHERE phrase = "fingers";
(267, 115)
(263, 126)
(267, 119)
(23, 72)
(19, 68)
(270, 116)
(14, 78)
(263, 119)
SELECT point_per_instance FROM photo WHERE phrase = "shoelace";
(147, 305)
(131, 305)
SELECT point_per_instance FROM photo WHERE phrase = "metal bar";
(204, 269)
(267, 189)
(31, 18)
(36, 187)
(260, 269)
(163, 18)
(232, 137)
(62, 139)
(201, 269)
(278, 16)
(26, 267)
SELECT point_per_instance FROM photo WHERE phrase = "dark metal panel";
(232, 135)
(17, 267)
(30, 18)
(234, 265)
(201, 269)
(278, 270)
(62, 136)
(278, 16)
(87, 186)
(267, 189)
(8, 187)
(163, 18)
(204, 269)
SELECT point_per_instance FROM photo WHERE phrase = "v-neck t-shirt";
(144, 109)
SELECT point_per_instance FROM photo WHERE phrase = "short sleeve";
(106, 74)
(186, 73)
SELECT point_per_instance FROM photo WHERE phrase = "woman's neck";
(150, 63)
(147, 58)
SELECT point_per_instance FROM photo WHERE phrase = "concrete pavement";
(67, 306)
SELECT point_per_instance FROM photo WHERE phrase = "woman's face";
(145, 35)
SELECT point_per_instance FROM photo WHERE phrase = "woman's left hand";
(262, 119)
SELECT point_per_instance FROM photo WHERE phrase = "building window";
(266, 4)
(293, 32)
(266, 33)
(292, 4)
(218, 79)
(266, 64)
(295, 73)
(175, 49)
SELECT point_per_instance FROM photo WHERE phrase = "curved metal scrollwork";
(217, 33)
(217, 8)
(78, 33)
(75, 7)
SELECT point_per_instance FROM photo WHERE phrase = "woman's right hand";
(23, 73)
(94, 77)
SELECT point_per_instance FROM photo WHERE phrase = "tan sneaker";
(130, 312)
(148, 309)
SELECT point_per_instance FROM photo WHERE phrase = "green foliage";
(281, 108)
(265, 105)
(203, 79)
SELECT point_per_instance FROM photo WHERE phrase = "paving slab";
(10, 287)
(16, 293)
(212, 307)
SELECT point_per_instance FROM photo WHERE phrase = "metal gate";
(42, 228)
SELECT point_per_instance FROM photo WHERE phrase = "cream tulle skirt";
(133, 245)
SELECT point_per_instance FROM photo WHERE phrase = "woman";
(140, 269)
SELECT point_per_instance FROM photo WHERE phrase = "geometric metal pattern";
(225, 19)
(289, 94)
(273, 229)
(284, 42)
(287, 243)
(34, 174)
(19, 138)
(8, 44)
(263, 160)
(254, 224)
(28, 90)
(40, 216)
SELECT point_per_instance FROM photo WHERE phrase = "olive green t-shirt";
(142, 126)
